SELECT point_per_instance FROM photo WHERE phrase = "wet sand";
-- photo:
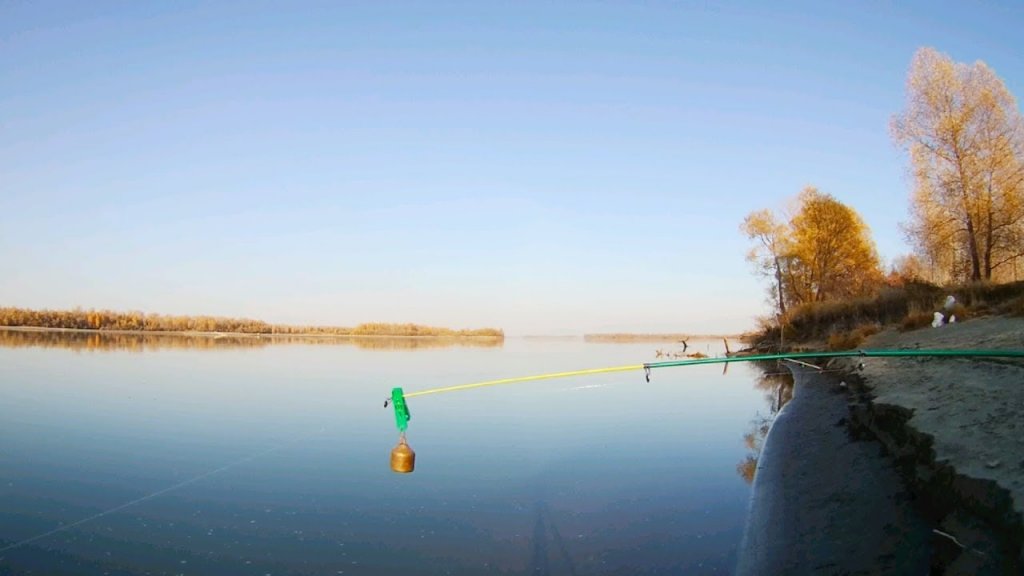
(824, 503)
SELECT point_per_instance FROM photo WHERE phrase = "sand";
(957, 427)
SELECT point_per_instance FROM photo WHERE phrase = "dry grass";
(869, 329)
(820, 320)
(961, 312)
(918, 320)
(910, 307)
(1014, 307)
(853, 338)
(988, 294)
(915, 321)
(845, 340)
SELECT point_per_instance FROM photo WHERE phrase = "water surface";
(273, 459)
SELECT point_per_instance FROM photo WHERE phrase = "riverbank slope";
(955, 428)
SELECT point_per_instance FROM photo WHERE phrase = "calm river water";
(153, 456)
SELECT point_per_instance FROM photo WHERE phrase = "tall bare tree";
(770, 251)
(965, 139)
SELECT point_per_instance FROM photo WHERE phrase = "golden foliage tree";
(832, 253)
(824, 252)
(965, 139)
(909, 267)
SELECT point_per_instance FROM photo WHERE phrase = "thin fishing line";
(526, 379)
(156, 494)
(804, 364)
(647, 367)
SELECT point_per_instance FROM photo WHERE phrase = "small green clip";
(401, 409)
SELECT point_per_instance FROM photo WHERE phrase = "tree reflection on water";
(91, 341)
(777, 383)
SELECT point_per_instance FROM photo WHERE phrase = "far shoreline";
(253, 335)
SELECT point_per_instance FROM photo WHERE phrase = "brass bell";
(403, 459)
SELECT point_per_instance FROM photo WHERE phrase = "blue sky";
(544, 167)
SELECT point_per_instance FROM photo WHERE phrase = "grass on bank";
(844, 324)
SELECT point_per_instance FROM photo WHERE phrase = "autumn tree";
(823, 252)
(770, 252)
(778, 388)
(832, 253)
(965, 139)
(909, 267)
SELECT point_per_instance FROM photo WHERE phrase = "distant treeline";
(79, 319)
(102, 341)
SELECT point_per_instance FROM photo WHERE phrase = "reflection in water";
(414, 342)
(539, 554)
(558, 478)
(142, 342)
(777, 384)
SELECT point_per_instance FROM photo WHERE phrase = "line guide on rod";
(403, 458)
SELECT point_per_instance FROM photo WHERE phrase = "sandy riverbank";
(955, 428)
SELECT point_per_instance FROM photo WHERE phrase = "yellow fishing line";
(751, 358)
(526, 379)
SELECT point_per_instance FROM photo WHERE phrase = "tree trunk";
(988, 257)
(987, 233)
(988, 241)
(972, 248)
(778, 284)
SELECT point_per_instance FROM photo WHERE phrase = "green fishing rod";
(403, 458)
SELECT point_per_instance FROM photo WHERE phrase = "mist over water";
(257, 459)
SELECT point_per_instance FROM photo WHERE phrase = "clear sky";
(544, 167)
